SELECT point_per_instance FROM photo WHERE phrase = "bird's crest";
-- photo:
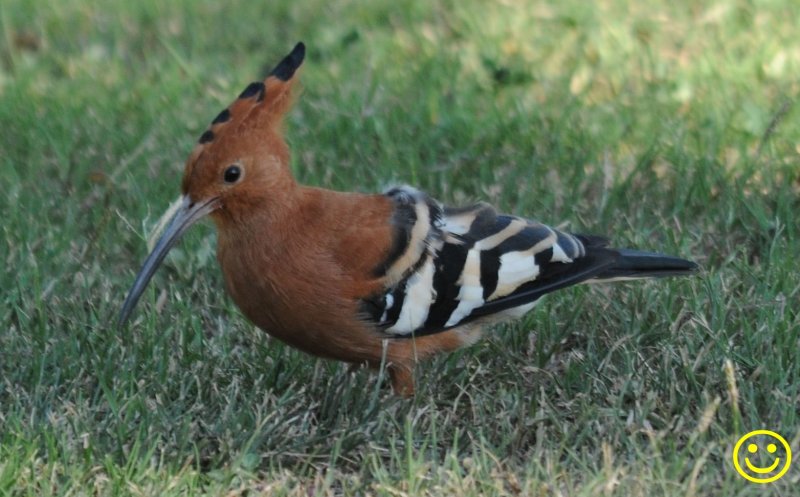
(261, 104)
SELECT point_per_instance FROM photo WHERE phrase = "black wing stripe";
(530, 236)
(570, 245)
(490, 268)
(543, 257)
(445, 284)
(484, 227)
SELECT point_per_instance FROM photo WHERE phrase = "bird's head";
(239, 165)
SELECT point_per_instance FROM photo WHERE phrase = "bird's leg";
(402, 378)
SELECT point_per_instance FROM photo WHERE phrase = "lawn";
(668, 125)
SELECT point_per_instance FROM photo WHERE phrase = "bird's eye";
(232, 174)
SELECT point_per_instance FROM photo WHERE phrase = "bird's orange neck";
(256, 209)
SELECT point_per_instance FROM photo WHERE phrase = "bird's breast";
(299, 298)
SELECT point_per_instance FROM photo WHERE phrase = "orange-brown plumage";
(385, 278)
(312, 284)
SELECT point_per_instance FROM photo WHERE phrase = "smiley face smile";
(756, 469)
(759, 474)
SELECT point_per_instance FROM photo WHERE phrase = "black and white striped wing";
(472, 263)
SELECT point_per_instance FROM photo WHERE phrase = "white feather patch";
(470, 295)
(519, 267)
(418, 300)
(516, 268)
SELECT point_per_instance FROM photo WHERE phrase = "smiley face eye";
(232, 174)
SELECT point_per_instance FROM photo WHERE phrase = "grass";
(669, 125)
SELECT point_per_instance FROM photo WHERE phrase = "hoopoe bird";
(372, 279)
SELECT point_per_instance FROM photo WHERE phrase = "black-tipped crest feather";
(287, 67)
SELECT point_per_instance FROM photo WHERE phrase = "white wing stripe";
(470, 295)
(418, 299)
(516, 268)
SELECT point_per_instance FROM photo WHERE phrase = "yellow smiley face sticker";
(764, 452)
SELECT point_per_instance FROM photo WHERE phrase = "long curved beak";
(186, 215)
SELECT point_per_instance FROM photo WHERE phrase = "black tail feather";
(640, 264)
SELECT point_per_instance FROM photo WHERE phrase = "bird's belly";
(310, 320)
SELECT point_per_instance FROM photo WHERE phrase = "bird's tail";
(634, 264)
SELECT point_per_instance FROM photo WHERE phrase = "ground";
(669, 126)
